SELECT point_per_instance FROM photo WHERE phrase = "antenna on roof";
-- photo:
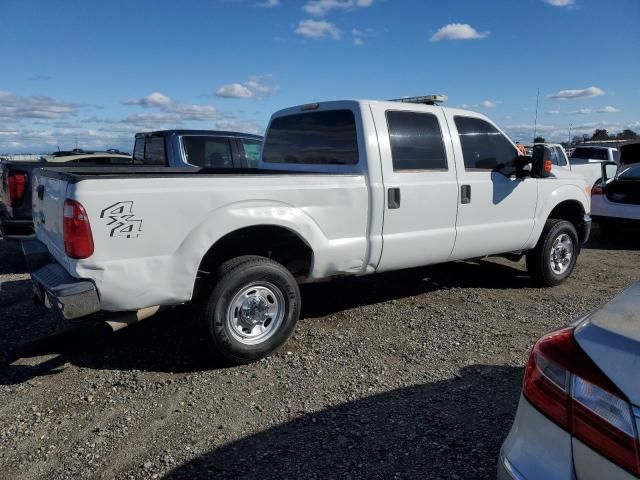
(425, 99)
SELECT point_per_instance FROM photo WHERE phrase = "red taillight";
(17, 187)
(78, 239)
(564, 384)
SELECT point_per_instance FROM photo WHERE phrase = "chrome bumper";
(55, 287)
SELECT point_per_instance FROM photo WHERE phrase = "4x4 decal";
(122, 221)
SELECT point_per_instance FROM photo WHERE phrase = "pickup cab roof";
(222, 133)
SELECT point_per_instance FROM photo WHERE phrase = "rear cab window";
(313, 138)
(150, 151)
(584, 154)
(206, 151)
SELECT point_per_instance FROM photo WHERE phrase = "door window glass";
(251, 149)
(416, 141)
(484, 147)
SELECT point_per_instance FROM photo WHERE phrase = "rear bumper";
(586, 229)
(16, 229)
(55, 287)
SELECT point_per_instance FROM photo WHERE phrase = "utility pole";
(569, 142)
(535, 123)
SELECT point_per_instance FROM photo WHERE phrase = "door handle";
(393, 198)
(465, 194)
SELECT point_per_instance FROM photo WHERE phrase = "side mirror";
(540, 165)
(521, 163)
(609, 170)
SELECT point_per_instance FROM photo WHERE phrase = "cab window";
(416, 141)
(250, 151)
(207, 152)
(483, 146)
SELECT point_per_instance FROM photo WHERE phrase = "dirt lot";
(405, 375)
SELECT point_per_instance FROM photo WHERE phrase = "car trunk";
(610, 336)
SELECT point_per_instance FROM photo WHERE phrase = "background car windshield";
(585, 153)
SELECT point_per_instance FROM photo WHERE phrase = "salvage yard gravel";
(412, 374)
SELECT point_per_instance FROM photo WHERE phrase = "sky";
(92, 73)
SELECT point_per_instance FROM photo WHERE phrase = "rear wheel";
(252, 310)
(555, 255)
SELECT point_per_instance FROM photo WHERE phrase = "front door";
(420, 184)
(497, 210)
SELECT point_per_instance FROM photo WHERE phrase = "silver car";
(579, 412)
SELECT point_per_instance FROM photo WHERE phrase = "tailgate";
(49, 193)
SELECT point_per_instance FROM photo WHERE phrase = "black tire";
(539, 259)
(234, 277)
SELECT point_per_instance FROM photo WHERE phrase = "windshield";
(590, 153)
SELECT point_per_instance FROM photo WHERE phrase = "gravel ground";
(403, 375)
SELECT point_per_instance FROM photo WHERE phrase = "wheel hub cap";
(561, 254)
(255, 313)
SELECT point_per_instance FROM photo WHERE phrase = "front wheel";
(252, 310)
(555, 255)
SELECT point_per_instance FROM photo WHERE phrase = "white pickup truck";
(343, 188)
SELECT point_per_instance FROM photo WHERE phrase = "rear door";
(421, 189)
(496, 210)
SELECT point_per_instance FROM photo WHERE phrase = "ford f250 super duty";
(342, 188)
(167, 148)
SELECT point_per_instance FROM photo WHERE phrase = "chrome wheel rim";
(561, 254)
(256, 313)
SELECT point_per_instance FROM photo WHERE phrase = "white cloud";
(608, 109)
(318, 29)
(358, 41)
(553, 112)
(578, 93)
(256, 86)
(268, 4)
(488, 104)
(582, 111)
(458, 31)
(153, 100)
(234, 90)
(16, 107)
(262, 85)
(171, 112)
(320, 8)
(561, 3)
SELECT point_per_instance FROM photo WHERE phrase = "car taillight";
(17, 187)
(597, 190)
(563, 383)
(78, 239)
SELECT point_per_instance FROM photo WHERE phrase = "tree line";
(599, 135)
